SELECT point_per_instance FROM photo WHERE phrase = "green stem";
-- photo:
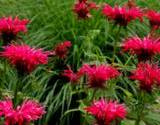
(15, 94)
(93, 95)
(115, 44)
(140, 108)
(17, 89)
(138, 121)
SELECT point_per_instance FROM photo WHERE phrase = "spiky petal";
(148, 75)
(154, 19)
(61, 49)
(11, 27)
(29, 111)
(106, 112)
(98, 75)
(82, 8)
(144, 48)
(24, 58)
(122, 15)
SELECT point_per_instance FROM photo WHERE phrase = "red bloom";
(106, 112)
(61, 50)
(154, 19)
(144, 48)
(98, 75)
(148, 75)
(122, 15)
(24, 58)
(24, 114)
(73, 77)
(9, 27)
(5, 107)
(82, 8)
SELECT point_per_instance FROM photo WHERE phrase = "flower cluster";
(106, 112)
(98, 75)
(82, 8)
(148, 75)
(144, 48)
(29, 111)
(122, 15)
(9, 27)
(24, 58)
(61, 50)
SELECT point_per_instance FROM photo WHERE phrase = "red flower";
(61, 50)
(106, 112)
(154, 19)
(98, 75)
(144, 48)
(24, 58)
(5, 107)
(122, 15)
(147, 75)
(73, 77)
(9, 27)
(24, 114)
(82, 8)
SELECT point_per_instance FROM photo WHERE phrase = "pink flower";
(5, 107)
(98, 75)
(144, 48)
(106, 112)
(82, 8)
(73, 76)
(24, 58)
(29, 111)
(154, 19)
(122, 15)
(9, 27)
(147, 75)
(61, 50)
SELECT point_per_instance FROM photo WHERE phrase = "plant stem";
(94, 92)
(138, 120)
(17, 89)
(15, 94)
(115, 44)
(141, 108)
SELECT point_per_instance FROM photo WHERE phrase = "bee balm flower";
(82, 8)
(29, 111)
(61, 49)
(106, 112)
(144, 48)
(73, 76)
(24, 58)
(148, 75)
(122, 15)
(154, 19)
(98, 75)
(5, 107)
(9, 28)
